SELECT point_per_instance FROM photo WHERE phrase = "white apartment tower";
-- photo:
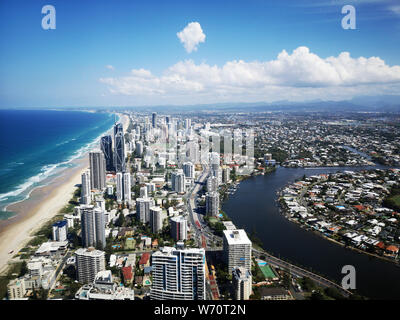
(188, 170)
(178, 181)
(212, 184)
(93, 226)
(178, 274)
(179, 228)
(85, 189)
(88, 263)
(212, 204)
(127, 187)
(156, 220)
(97, 170)
(120, 187)
(242, 283)
(237, 249)
(143, 209)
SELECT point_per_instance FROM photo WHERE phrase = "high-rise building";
(127, 186)
(237, 249)
(143, 192)
(188, 123)
(86, 195)
(212, 203)
(119, 148)
(120, 187)
(178, 274)
(179, 228)
(93, 226)
(188, 170)
(106, 147)
(60, 231)
(97, 170)
(242, 283)
(156, 220)
(143, 209)
(154, 119)
(178, 181)
(16, 289)
(139, 148)
(226, 175)
(88, 263)
(212, 184)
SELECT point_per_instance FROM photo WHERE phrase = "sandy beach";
(43, 204)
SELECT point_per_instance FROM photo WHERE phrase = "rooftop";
(237, 236)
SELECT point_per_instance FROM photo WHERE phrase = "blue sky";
(238, 60)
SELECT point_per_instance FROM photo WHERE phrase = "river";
(253, 207)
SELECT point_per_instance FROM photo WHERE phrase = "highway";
(297, 271)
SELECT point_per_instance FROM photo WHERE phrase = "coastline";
(43, 203)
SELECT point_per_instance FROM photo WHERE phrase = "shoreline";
(43, 203)
(283, 212)
(343, 245)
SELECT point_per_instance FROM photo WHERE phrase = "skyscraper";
(120, 187)
(156, 221)
(212, 203)
(93, 226)
(237, 249)
(154, 119)
(143, 209)
(60, 230)
(188, 170)
(88, 263)
(106, 147)
(212, 184)
(178, 181)
(179, 228)
(178, 274)
(97, 170)
(119, 150)
(127, 187)
(242, 283)
(86, 197)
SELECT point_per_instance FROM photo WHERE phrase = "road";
(297, 271)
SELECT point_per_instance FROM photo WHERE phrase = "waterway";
(253, 207)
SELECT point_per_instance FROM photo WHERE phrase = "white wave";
(49, 170)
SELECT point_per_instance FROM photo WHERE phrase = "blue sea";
(36, 145)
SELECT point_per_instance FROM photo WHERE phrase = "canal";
(253, 207)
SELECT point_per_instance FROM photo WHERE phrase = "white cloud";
(191, 36)
(395, 9)
(109, 67)
(300, 75)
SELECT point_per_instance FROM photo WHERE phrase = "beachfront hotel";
(86, 196)
(178, 274)
(237, 249)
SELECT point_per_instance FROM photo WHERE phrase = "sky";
(143, 53)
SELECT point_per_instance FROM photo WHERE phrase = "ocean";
(36, 145)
